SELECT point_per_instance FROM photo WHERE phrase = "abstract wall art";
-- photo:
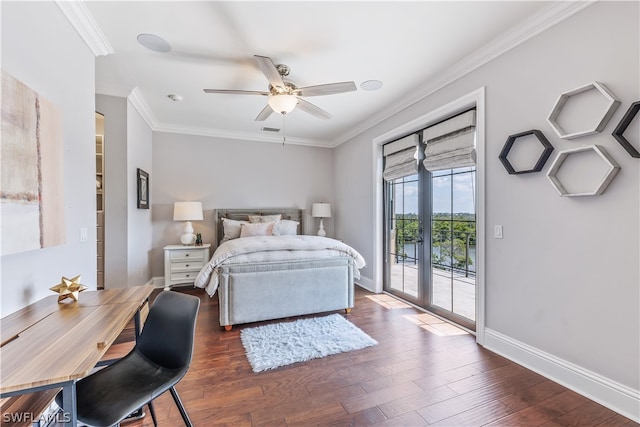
(143, 189)
(31, 170)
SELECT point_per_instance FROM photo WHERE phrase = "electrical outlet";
(497, 232)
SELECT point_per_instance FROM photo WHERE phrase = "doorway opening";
(100, 200)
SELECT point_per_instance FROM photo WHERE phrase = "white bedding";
(272, 248)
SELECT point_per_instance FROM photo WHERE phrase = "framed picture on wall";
(143, 189)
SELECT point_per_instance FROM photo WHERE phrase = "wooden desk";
(50, 345)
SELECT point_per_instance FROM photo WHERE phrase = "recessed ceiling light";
(371, 85)
(154, 43)
(175, 98)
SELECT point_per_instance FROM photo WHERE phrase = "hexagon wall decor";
(612, 104)
(611, 164)
(504, 154)
(628, 117)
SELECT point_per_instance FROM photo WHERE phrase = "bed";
(264, 277)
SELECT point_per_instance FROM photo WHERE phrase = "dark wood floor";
(423, 372)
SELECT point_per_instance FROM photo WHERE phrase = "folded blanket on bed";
(272, 248)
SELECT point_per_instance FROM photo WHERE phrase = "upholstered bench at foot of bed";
(274, 290)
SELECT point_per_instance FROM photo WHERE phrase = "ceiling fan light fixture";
(283, 103)
(283, 96)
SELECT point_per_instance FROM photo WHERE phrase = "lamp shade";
(187, 211)
(283, 103)
(321, 210)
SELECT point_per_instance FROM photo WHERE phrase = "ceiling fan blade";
(326, 89)
(314, 110)
(270, 71)
(236, 92)
(264, 114)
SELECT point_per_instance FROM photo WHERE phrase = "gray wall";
(41, 49)
(127, 147)
(116, 262)
(139, 232)
(232, 174)
(564, 279)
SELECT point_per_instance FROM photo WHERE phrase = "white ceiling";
(412, 47)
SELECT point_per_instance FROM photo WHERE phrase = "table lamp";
(321, 210)
(187, 211)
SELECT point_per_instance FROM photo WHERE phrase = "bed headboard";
(293, 214)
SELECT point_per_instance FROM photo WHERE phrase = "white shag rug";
(279, 344)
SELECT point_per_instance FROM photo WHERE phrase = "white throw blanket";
(272, 248)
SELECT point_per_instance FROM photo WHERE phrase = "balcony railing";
(451, 250)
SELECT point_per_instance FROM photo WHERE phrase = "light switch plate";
(497, 232)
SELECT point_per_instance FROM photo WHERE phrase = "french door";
(430, 237)
(452, 279)
(404, 239)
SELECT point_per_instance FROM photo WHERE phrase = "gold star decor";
(68, 288)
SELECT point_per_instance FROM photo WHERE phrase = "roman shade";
(400, 158)
(451, 144)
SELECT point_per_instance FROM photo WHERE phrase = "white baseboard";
(615, 396)
(158, 282)
(366, 283)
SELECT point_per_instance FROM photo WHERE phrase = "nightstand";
(183, 263)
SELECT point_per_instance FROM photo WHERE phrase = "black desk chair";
(159, 360)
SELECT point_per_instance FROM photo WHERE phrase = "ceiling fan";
(283, 95)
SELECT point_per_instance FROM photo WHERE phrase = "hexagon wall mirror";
(610, 101)
(609, 166)
(628, 117)
(547, 148)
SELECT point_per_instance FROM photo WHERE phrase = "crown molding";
(121, 93)
(82, 21)
(222, 134)
(543, 20)
(139, 103)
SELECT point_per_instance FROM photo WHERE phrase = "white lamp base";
(321, 231)
(188, 238)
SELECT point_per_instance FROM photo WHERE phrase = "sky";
(463, 190)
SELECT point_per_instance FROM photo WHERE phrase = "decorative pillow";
(286, 228)
(264, 218)
(231, 228)
(257, 229)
